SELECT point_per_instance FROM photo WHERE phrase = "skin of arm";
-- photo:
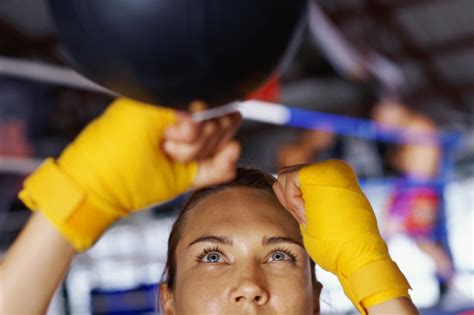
(33, 268)
(421, 160)
(400, 306)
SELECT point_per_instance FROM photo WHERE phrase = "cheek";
(199, 293)
(292, 292)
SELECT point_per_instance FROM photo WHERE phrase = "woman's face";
(241, 253)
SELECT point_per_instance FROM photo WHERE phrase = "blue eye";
(280, 256)
(212, 258)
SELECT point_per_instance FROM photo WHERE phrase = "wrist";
(80, 218)
(384, 297)
(342, 236)
(374, 283)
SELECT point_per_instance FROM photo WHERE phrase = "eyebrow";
(223, 240)
(273, 240)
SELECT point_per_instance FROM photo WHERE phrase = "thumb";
(219, 168)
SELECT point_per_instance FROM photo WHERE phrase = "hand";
(122, 152)
(117, 165)
(329, 196)
(209, 142)
(340, 230)
(288, 191)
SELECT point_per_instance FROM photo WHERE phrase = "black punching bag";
(170, 52)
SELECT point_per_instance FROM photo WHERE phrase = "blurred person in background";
(36, 120)
(22, 110)
(309, 146)
(415, 205)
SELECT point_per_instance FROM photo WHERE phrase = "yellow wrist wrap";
(76, 217)
(114, 167)
(341, 235)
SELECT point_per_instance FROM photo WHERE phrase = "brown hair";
(245, 177)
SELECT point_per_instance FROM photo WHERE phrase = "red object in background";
(269, 92)
(13, 138)
(416, 208)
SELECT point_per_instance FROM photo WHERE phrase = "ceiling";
(432, 41)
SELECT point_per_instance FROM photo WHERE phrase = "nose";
(250, 290)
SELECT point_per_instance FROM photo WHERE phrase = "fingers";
(279, 193)
(197, 146)
(229, 125)
(281, 197)
(208, 140)
(185, 130)
(219, 168)
(289, 194)
(294, 197)
(225, 161)
(190, 140)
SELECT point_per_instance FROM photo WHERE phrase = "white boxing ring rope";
(47, 73)
(259, 111)
(18, 165)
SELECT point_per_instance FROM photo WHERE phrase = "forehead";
(240, 210)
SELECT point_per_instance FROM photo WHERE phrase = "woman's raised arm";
(131, 157)
(33, 268)
(341, 235)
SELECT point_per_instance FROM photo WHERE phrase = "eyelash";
(216, 249)
(286, 251)
(208, 250)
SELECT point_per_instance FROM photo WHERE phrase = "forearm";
(33, 268)
(402, 306)
(342, 236)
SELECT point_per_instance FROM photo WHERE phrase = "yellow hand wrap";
(341, 235)
(115, 166)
